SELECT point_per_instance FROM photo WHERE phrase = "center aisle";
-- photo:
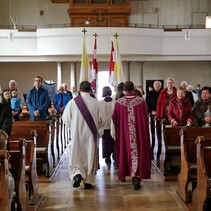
(108, 193)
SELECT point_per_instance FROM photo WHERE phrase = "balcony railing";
(133, 25)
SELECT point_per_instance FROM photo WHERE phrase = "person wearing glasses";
(37, 101)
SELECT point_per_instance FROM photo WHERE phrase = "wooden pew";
(4, 169)
(157, 145)
(58, 137)
(202, 192)
(17, 161)
(169, 163)
(152, 134)
(31, 177)
(188, 171)
(54, 146)
(44, 142)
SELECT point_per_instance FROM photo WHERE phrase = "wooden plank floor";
(109, 194)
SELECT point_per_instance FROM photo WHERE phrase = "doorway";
(103, 80)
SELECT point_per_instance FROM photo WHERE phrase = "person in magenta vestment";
(180, 111)
(130, 119)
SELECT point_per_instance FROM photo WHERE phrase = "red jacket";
(161, 103)
(181, 114)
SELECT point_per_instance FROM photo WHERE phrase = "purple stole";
(86, 115)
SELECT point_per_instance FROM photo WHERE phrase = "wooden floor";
(108, 194)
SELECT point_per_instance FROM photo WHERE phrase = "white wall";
(135, 44)
(192, 71)
(28, 12)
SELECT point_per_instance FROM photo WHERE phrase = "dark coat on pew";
(151, 99)
(199, 109)
(189, 95)
(6, 120)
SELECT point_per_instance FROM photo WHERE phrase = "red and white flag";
(112, 63)
(94, 71)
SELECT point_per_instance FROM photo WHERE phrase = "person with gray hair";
(187, 94)
(168, 93)
(151, 100)
(67, 91)
(106, 106)
(13, 87)
(190, 89)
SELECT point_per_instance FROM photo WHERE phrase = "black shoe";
(77, 180)
(136, 183)
(108, 160)
(115, 166)
(88, 186)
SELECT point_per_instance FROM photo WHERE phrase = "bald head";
(157, 85)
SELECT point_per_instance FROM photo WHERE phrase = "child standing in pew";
(52, 114)
(11, 182)
(15, 104)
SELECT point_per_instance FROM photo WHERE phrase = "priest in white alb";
(82, 116)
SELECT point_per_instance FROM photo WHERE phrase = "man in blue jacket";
(38, 101)
(60, 100)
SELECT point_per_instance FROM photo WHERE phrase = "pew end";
(44, 149)
(187, 177)
(17, 161)
(4, 175)
(31, 177)
(170, 152)
(202, 192)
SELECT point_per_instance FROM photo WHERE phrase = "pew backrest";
(202, 193)
(188, 137)
(204, 155)
(4, 199)
(170, 135)
(22, 129)
(17, 161)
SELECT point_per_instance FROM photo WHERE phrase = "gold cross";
(116, 35)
